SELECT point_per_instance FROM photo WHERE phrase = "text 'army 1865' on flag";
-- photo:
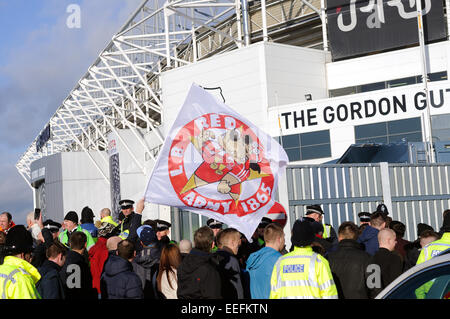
(216, 163)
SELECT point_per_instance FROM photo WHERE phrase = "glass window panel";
(290, 141)
(185, 227)
(437, 279)
(400, 82)
(370, 130)
(441, 135)
(317, 151)
(440, 121)
(373, 86)
(438, 76)
(404, 126)
(410, 137)
(195, 223)
(175, 232)
(293, 154)
(370, 140)
(313, 138)
(343, 91)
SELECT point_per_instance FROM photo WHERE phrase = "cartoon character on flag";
(217, 164)
(229, 159)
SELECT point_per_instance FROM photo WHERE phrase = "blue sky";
(41, 60)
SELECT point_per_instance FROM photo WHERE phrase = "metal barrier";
(413, 193)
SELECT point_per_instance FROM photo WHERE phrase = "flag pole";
(427, 128)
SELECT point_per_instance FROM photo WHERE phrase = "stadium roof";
(121, 88)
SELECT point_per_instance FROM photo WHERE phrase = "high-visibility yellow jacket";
(429, 251)
(18, 279)
(108, 219)
(64, 238)
(434, 248)
(326, 231)
(302, 274)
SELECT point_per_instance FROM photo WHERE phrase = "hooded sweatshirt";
(259, 266)
(198, 277)
(145, 265)
(369, 238)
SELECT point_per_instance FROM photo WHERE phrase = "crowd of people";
(135, 259)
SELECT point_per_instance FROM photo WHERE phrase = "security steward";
(130, 222)
(216, 227)
(302, 273)
(71, 226)
(315, 212)
(18, 277)
(431, 250)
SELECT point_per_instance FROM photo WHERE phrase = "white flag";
(216, 163)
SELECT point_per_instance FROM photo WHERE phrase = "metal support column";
(423, 59)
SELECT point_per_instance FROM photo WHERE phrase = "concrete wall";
(72, 182)
(292, 72)
(387, 66)
(252, 79)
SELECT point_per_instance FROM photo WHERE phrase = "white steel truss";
(121, 88)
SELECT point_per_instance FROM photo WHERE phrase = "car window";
(430, 283)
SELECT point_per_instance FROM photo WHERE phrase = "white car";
(436, 270)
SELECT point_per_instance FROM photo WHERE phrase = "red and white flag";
(218, 164)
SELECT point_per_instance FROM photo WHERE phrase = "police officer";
(18, 277)
(431, 250)
(162, 232)
(216, 227)
(382, 208)
(364, 218)
(302, 273)
(52, 226)
(315, 212)
(434, 248)
(130, 222)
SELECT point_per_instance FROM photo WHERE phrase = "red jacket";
(97, 257)
(400, 246)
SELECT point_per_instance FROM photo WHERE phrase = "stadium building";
(331, 83)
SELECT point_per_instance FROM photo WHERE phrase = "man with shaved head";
(390, 262)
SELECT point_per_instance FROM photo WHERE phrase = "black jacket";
(230, 274)
(412, 251)
(198, 277)
(132, 223)
(145, 265)
(50, 285)
(391, 266)
(77, 280)
(39, 252)
(118, 280)
(348, 265)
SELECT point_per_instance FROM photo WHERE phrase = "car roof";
(443, 257)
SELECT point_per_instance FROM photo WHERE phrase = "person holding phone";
(34, 223)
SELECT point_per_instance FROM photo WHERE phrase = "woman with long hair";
(167, 275)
